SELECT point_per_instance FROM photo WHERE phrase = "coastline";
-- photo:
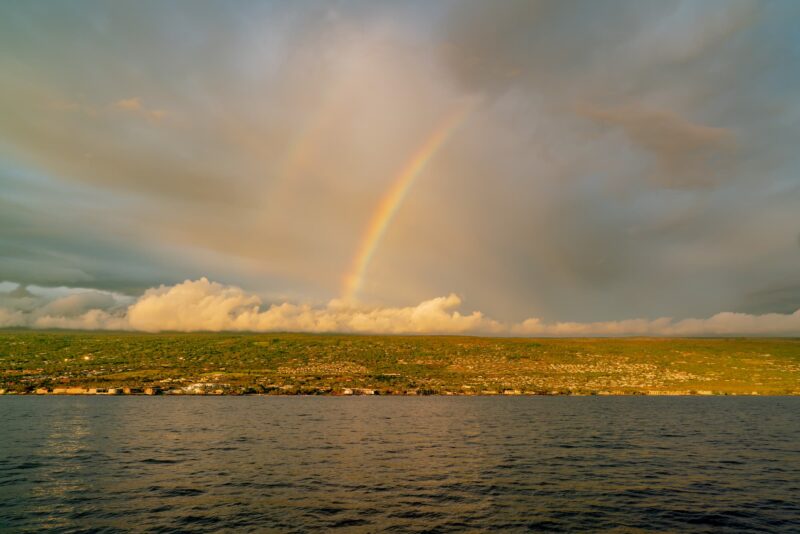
(111, 364)
(157, 392)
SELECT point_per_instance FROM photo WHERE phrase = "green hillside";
(313, 364)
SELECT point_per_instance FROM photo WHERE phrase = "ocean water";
(433, 464)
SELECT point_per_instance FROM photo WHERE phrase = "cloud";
(258, 177)
(559, 46)
(202, 305)
(193, 305)
(135, 105)
(62, 307)
(686, 154)
(79, 303)
(91, 320)
(721, 324)
(10, 318)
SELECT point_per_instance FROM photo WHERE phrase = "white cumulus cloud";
(203, 305)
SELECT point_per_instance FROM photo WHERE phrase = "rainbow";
(395, 195)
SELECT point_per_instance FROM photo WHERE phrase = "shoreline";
(155, 392)
(292, 364)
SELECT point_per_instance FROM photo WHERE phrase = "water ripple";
(431, 464)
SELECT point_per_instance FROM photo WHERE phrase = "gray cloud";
(686, 154)
(620, 46)
(783, 298)
(629, 159)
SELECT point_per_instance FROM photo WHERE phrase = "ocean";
(399, 464)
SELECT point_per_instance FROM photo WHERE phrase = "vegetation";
(343, 364)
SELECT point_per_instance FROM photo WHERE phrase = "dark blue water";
(399, 464)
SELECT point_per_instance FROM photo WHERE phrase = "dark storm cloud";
(776, 299)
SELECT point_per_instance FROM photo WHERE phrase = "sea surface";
(399, 464)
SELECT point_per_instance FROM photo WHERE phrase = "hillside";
(343, 364)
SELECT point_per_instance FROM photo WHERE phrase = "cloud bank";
(202, 305)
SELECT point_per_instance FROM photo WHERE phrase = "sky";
(625, 167)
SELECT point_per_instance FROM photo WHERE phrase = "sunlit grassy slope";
(302, 363)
